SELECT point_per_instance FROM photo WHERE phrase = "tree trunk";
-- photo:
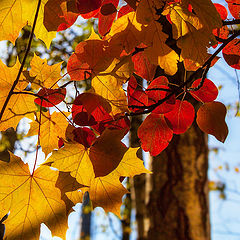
(178, 206)
(86, 217)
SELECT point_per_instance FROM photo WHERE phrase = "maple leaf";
(125, 34)
(158, 52)
(44, 75)
(32, 199)
(20, 105)
(99, 160)
(15, 14)
(107, 191)
(108, 84)
(53, 126)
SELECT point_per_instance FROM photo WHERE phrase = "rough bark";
(178, 206)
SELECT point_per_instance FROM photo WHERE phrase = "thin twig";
(23, 62)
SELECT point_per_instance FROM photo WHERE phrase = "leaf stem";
(23, 62)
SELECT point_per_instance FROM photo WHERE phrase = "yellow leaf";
(20, 105)
(45, 75)
(32, 199)
(73, 158)
(53, 126)
(15, 14)
(125, 34)
(183, 20)
(158, 52)
(108, 84)
(131, 165)
(107, 191)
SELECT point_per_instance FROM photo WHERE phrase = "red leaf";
(211, 120)
(234, 7)
(84, 136)
(132, 3)
(154, 134)
(207, 93)
(156, 91)
(221, 10)
(90, 108)
(143, 67)
(86, 6)
(231, 53)
(136, 96)
(181, 117)
(107, 15)
(124, 10)
(108, 8)
(89, 59)
(51, 97)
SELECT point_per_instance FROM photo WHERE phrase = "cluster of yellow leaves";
(45, 195)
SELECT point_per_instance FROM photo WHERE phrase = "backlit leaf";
(32, 199)
(20, 105)
(181, 117)
(51, 97)
(207, 93)
(53, 127)
(155, 134)
(231, 53)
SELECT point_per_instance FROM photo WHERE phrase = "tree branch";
(23, 62)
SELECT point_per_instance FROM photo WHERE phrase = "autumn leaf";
(74, 158)
(143, 67)
(20, 105)
(211, 120)
(108, 84)
(231, 53)
(44, 75)
(90, 58)
(234, 7)
(15, 14)
(50, 97)
(181, 117)
(56, 16)
(32, 199)
(106, 16)
(107, 191)
(125, 34)
(154, 134)
(52, 127)
(208, 92)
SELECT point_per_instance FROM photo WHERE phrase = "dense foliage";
(162, 43)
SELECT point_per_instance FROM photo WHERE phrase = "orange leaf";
(211, 120)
